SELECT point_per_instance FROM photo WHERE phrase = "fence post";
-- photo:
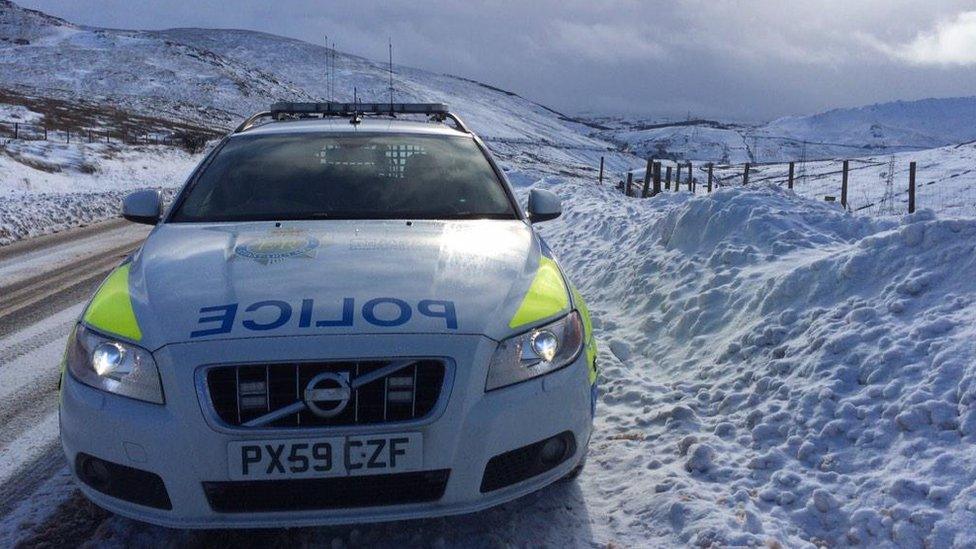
(89, 135)
(601, 170)
(667, 179)
(45, 133)
(745, 175)
(67, 135)
(630, 181)
(647, 177)
(911, 188)
(710, 165)
(677, 176)
(657, 178)
(789, 181)
(16, 130)
(843, 186)
(691, 179)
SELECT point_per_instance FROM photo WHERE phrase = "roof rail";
(251, 121)
(283, 110)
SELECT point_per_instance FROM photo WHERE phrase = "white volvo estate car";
(344, 316)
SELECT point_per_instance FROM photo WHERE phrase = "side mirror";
(543, 206)
(143, 207)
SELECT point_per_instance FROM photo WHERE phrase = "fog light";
(553, 450)
(95, 473)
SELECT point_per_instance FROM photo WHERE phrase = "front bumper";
(180, 442)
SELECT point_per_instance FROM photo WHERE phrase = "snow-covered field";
(945, 180)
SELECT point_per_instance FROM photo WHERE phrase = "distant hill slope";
(218, 76)
(883, 128)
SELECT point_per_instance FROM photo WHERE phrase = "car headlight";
(537, 352)
(113, 366)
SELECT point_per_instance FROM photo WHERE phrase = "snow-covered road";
(43, 282)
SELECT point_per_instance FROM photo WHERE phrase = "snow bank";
(47, 186)
(778, 370)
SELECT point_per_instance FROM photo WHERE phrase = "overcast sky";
(746, 60)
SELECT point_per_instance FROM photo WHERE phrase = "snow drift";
(781, 370)
(47, 186)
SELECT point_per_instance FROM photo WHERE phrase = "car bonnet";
(197, 282)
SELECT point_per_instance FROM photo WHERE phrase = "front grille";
(326, 493)
(240, 394)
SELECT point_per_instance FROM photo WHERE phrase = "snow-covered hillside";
(211, 78)
(225, 75)
(694, 141)
(875, 129)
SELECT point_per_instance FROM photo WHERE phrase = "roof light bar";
(361, 108)
(286, 110)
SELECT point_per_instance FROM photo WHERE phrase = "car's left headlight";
(113, 366)
(537, 352)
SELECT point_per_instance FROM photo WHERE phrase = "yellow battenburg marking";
(111, 309)
(547, 295)
(587, 332)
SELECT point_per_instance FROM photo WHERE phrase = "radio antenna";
(334, 75)
(390, 43)
(328, 69)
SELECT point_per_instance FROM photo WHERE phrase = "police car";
(344, 316)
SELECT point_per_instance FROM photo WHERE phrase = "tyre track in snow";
(43, 284)
(46, 279)
(34, 472)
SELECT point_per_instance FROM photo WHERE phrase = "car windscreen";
(315, 176)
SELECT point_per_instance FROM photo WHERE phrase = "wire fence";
(889, 185)
(125, 135)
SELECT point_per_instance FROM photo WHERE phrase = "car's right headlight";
(113, 366)
(537, 352)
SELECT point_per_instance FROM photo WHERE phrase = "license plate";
(325, 457)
